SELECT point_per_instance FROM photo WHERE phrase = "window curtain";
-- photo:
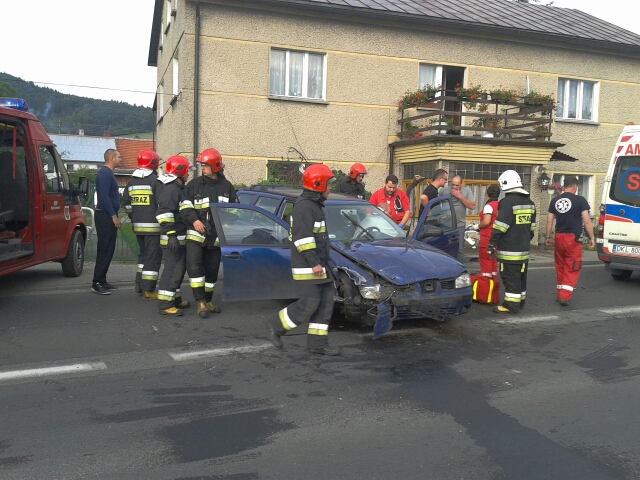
(277, 72)
(314, 84)
(296, 66)
(587, 101)
(427, 76)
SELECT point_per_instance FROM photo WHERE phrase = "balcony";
(444, 113)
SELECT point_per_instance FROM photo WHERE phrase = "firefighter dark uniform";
(510, 241)
(139, 199)
(309, 248)
(350, 185)
(173, 233)
(203, 249)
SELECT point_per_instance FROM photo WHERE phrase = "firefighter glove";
(173, 244)
(491, 251)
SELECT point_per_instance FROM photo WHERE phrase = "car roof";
(292, 193)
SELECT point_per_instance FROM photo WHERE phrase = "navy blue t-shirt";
(568, 209)
(107, 190)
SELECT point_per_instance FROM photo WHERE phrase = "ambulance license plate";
(628, 249)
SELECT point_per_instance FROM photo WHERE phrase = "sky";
(105, 44)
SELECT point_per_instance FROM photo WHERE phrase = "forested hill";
(62, 113)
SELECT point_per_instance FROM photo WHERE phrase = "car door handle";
(233, 255)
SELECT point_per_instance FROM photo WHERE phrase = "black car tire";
(351, 312)
(73, 263)
(622, 274)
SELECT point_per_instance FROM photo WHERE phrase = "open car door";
(256, 253)
(437, 226)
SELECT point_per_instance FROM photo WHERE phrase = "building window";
(168, 15)
(585, 186)
(176, 90)
(430, 75)
(577, 100)
(160, 101)
(297, 74)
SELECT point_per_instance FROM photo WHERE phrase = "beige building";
(319, 81)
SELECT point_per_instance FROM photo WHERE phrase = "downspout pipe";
(196, 82)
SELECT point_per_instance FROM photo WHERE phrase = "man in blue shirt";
(106, 220)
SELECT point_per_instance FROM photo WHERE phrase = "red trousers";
(488, 266)
(568, 261)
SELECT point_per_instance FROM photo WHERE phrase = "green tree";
(7, 90)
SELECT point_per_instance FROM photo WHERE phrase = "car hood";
(401, 262)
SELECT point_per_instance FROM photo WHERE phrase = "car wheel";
(353, 312)
(621, 274)
(73, 263)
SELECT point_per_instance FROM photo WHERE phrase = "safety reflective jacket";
(514, 227)
(309, 238)
(196, 198)
(140, 201)
(168, 213)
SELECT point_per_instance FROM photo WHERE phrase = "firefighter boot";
(138, 289)
(212, 308)
(326, 350)
(171, 311)
(147, 295)
(180, 303)
(202, 308)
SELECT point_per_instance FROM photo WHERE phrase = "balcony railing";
(445, 114)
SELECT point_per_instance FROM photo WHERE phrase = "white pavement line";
(615, 311)
(526, 319)
(43, 372)
(219, 352)
(548, 267)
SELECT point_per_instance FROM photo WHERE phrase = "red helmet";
(178, 166)
(148, 159)
(316, 177)
(357, 169)
(211, 157)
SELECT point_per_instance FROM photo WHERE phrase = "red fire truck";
(41, 218)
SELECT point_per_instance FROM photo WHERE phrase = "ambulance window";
(625, 183)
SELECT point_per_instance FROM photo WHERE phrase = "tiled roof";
(81, 148)
(503, 15)
(129, 149)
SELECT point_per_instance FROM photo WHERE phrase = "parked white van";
(618, 238)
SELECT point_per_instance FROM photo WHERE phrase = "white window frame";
(175, 86)
(439, 71)
(589, 195)
(579, 95)
(305, 75)
(160, 101)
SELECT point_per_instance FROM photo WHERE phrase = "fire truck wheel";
(73, 263)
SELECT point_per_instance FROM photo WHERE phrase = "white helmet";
(509, 179)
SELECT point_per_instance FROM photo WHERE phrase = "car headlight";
(463, 281)
(376, 292)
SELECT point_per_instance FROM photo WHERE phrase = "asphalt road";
(104, 387)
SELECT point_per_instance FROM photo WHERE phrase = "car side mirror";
(430, 232)
(83, 186)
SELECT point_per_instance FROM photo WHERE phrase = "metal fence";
(126, 244)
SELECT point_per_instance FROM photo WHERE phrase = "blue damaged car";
(381, 275)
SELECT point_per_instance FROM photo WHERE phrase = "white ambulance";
(618, 237)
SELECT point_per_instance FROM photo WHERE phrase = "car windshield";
(360, 221)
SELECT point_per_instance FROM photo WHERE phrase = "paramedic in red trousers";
(398, 202)
(510, 240)
(173, 236)
(203, 248)
(139, 200)
(571, 211)
(352, 185)
(488, 265)
(309, 266)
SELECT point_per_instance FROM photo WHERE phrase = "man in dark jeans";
(106, 220)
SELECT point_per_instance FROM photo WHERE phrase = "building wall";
(368, 69)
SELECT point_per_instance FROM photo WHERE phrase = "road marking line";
(43, 372)
(614, 311)
(527, 319)
(219, 352)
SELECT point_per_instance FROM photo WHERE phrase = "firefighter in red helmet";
(309, 266)
(139, 199)
(173, 236)
(352, 185)
(203, 247)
